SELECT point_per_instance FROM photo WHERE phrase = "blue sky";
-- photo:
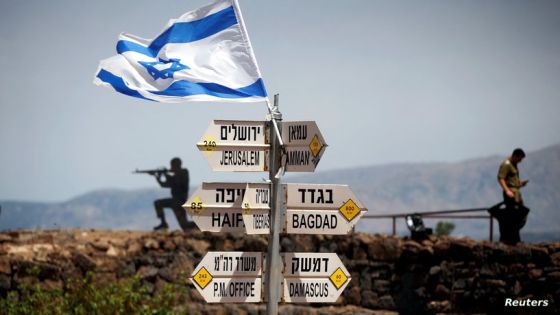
(386, 81)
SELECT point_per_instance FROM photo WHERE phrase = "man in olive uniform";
(179, 185)
(515, 215)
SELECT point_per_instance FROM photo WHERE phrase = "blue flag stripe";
(118, 84)
(185, 88)
(184, 32)
(126, 45)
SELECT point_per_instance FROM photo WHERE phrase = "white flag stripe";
(200, 13)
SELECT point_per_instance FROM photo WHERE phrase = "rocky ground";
(389, 274)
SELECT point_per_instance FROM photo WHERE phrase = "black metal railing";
(440, 214)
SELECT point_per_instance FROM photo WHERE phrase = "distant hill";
(110, 208)
(393, 188)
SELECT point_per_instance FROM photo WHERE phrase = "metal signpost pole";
(273, 263)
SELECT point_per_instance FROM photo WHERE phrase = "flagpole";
(273, 272)
(272, 110)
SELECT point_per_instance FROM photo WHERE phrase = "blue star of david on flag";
(163, 69)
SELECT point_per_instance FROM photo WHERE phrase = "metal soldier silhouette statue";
(179, 185)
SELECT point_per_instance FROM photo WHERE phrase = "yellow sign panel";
(315, 146)
(246, 208)
(349, 210)
(197, 205)
(338, 278)
(202, 278)
(208, 145)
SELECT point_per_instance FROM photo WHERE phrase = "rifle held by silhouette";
(154, 172)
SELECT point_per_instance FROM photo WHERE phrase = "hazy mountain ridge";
(417, 187)
(107, 208)
(392, 188)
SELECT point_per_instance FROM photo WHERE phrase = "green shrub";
(444, 228)
(86, 297)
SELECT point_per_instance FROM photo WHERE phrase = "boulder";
(352, 295)
(151, 243)
(435, 270)
(5, 267)
(442, 292)
(386, 302)
(384, 249)
(147, 273)
(5, 283)
(199, 247)
(535, 273)
(369, 299)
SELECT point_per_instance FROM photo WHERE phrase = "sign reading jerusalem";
(236, 145)
(243, 145)
(321, 209)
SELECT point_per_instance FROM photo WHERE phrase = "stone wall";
(439, 275)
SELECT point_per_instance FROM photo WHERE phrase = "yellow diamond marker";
(202, 278)
(197, 205)
(338, 278)
(208, 145)
(349, 210)
(315, 146)
(246, 208)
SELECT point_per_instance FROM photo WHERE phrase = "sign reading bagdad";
(321, 209)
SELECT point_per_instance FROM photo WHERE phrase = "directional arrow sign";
(321, 209)
(256, 208)
(236, 145)
(304, 145)
(229, 277)
(217, 207)
(314, 277)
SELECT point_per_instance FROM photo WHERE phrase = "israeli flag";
(205, 55)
